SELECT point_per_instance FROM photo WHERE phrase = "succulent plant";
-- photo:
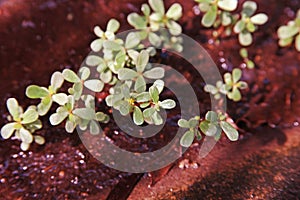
(211, 126)
(217, 12)
(244, 54)
(248, 23)
(22, 124)
(290, 32)
(231, 86)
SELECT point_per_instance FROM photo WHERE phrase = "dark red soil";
(38, 37)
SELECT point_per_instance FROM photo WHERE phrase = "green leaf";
(29, 116)
(94, 128)
(174, 27)
(70, 76)
(193, 122)
(245, 38)
(297, 42)
(250, 64)
(143, 97)
(113, 25)
(230, 131)
(138, 118)
(85, 113)
(127, 74)
(285, 32)
(226, 19)
(106, 76)
(43, 108)
(244, 53)
(285, 42)
(153, 91)
(154, 39)
(157, 119)
(235, 95)
(236, 75)
(124, 108)
(132, 40)
(60, 98)
(187, 139)
(111, 45)
(94, 85)
(7, 130)
(155, 73)
(204, 6)
(36, 92)
(39, 140)
(183, 123)
(98, 31)
(228, 79)
(228, 5)
(70, 126)
(250, 27)
(145, 9)
(93, 60)
(249, 8)
(210, 17)
(242, 85)
(96, 45)
(142, 60)
(26, 136)
(157, 6)
(24, 146)
(259, 19)
(174, 12)
(167, 104)
(136, 21)
(57, 79)
(84, 73)
(239, 26)
(209, 129)
(159, 84)
(140, 84)
(210, 89)
(13, 108)
(57, 118)
(147, 113)
(211, 116)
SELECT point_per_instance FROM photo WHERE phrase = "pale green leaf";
(153, 91)
(7, 130)
(157, 119)
(70, 76)
(94, 85)
(113, 25)
(236, 75)
(211, 116)
(259, 19)
(24, 146)
(155, 73)
(94, 128)
(157, 6)
(39, 139)
(167, 104)
(297, 42)
(138, 118)
(249, 8)
(140, 84)
(154, 39)
(132, 40)
(57, 79)
(285, 32)
(174, 12)
(96, 45)
(245, 38)
(230, 131)
(13, 108)
(70, 126)
(36, 92)
(98, 31)
(174, 27)
(93, 60)
(228, 5)
(43, 108)
(142, 60)
(84, 73)
(147, 113)
(85, 113)
(239, 26)
(159, 84)
(137, 21)
(111, 45)
(106, 76)
(58, 118)
(60, 98)
(187, 139)
(127, 74)
(143, 97)
(210, 17)
(145, 9)
(183, 123)
(29, 116)
(26, 136)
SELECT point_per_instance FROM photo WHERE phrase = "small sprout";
(217, 10)
(248, 23)
(231, 87)
(211, 126)
(81, 81)
(47, 95)
(23, 124)
(290, 32)
(112, 27)
(244, 54)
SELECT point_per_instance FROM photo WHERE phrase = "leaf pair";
(233, 84)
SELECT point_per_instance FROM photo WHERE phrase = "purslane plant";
(122, 65)
(290, 32)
